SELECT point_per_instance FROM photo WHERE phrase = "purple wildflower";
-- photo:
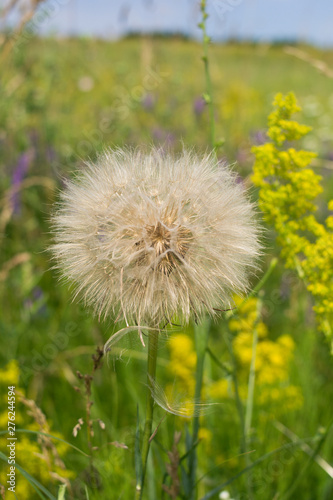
(259, 137)
(161, 135)
(330, 155)
(198, 106)
(148, 101)
(35, 302)
(19, 173)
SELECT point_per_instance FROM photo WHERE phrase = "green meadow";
(62, 102)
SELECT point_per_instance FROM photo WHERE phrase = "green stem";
(201, 340)
(256, 289)
(272, 265)
(250, 393)
(209, 94)
(239, 404)
(151, 372)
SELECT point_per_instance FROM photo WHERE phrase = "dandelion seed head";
(146, 236)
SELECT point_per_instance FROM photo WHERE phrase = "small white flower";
(224, 495)
(85, 83)
(148, 236)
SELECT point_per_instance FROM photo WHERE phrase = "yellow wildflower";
(219, 389)
(287, 192)
(36, 458)
(273, 360)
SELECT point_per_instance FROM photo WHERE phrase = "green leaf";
(185, 481)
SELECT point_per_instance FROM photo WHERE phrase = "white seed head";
(148, 236)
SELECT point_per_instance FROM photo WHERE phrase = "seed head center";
(170, 245)
(160, 238)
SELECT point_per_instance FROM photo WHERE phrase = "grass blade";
(27, 431)
(218, 488)
(39, 488)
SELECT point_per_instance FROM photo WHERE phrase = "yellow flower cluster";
(272, 365)
(9, 376)
(183, 361)
(272, 362)
(182, 365)
(288, 189)
(39, 463)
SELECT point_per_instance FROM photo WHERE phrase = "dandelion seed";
(119, 445)
(146, 236)
(188, 408)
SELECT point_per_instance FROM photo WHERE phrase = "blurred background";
(256, 20)
(77, 76)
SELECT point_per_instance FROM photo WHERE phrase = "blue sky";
(262, 20)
